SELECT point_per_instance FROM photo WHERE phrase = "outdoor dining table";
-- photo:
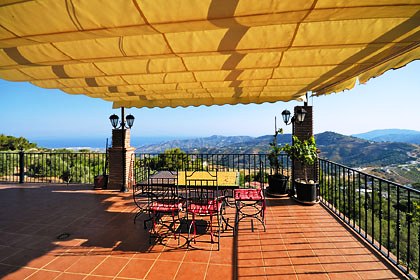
(227, 181)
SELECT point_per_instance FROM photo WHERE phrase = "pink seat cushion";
(165, 207)
(205, 209)
(248, 194)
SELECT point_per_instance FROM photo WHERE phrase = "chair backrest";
(141, 190)
(201, 186)
(163, 187)
(157, 186)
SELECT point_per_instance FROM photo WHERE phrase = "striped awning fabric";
(164, 53)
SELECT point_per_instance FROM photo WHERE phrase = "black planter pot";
(101, 182)
(277, 184)
(306, 192)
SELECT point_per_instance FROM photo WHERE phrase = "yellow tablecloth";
(224, 178)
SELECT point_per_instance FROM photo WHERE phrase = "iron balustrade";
(383, 213)
(9, 167)
(51, 167)
(249, 166)
(77, 167)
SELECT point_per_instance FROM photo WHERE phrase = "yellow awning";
(162, 53)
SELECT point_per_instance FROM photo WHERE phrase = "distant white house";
(365, 190)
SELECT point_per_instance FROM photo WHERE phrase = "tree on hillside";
(10, 143)
(173, 159)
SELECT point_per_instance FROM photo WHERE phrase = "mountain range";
(391, 135)
(348, 150)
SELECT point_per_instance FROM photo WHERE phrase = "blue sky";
(389, 101)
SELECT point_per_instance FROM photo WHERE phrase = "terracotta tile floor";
(301, 242)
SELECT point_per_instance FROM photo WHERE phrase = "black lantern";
(286, 116)
(300, 115)
(114, 120)
(130, 120)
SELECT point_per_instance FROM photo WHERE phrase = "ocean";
(97, 143)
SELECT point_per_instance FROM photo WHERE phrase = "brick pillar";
(304, 131)
(115, 179)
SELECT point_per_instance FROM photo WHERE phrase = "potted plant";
(305, 152)
(277, 182)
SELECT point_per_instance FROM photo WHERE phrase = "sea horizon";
(98, 143)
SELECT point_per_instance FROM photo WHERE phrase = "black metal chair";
(141, 195)
(250, 203)
(163, 201)
(203, 199)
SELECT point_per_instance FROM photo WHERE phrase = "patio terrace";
(301, 242)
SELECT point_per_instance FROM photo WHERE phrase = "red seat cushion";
(248, 194)
(205, 209)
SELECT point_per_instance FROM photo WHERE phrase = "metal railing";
(51, 167)
(384, 213)
(252, 168)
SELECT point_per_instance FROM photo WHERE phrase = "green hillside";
(354, 151)
(347, 150)
(392, 135)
